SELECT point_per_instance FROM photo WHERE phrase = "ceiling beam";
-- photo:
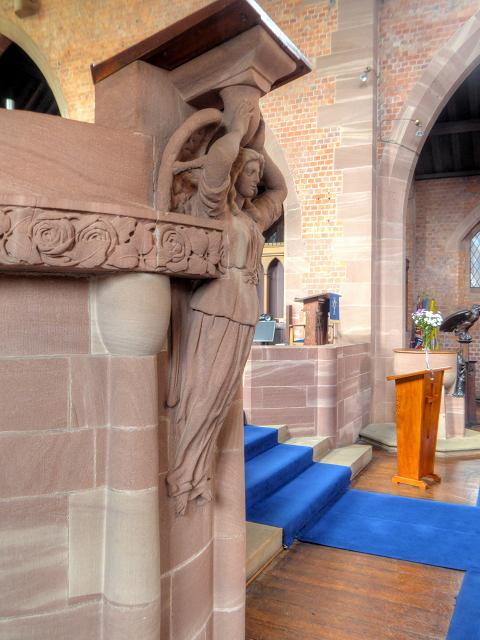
(454, 137)
(458, 126)
(473, 95)
(437, 156)
(447, 174)
(476, 149)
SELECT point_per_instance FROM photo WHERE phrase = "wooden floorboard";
(312, 592)
(460, 479)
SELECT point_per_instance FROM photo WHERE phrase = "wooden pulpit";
(316, 318)
(418, 396)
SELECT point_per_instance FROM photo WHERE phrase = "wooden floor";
(316, 593)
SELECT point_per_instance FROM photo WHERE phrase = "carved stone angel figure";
(221, 181)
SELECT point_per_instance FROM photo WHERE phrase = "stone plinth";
(321, 390)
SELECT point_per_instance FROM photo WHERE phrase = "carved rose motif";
(52, 237)
(174, 248)
(94, 243)
(68, 239)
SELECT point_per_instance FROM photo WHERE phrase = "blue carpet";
(311, 502)
(436, 533)
(300, 500)
(258, 439)
(465, 623)
(284, 487)
(273, 468)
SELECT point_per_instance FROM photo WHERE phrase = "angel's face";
(248, 179)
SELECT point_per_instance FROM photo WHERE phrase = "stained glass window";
(475, 261)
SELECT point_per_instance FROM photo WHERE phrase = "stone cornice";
(52, 240)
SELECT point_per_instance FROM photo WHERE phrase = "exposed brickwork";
(441, 270)
(291, 113)
(410, 33)
(76, 33)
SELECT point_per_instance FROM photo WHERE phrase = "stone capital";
(252, 58)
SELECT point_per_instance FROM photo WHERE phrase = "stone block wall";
(315, 391)
(90, 544)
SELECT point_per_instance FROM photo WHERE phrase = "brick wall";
(441, 266)
(325, 126)
(76, 33)
(292, 114)
(410, 33)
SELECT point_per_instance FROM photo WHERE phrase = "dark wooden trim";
(436, 154)
(454, 127)
(198, 33)
(448, 174)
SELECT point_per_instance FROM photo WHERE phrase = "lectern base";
(421, 484)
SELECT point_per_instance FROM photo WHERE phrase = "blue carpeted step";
(465, 623)
(270, 470)
(301, 500)
(437, 533)
(258, 439)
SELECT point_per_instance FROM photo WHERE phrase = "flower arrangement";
(428, 322)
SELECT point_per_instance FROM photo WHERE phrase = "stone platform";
(384, 435)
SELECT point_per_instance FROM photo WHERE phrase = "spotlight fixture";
(419, 133)
(363, 77)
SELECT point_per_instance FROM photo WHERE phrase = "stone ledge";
(263, 544)
(319, 444)
(55, 240)
(384, 435)
(355, 456)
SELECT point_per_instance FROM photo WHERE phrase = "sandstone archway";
(446, 71)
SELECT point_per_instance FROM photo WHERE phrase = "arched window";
(22, 84)
(475, 261)
(275, 289)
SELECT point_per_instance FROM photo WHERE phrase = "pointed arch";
(16, 34)
(443, 75)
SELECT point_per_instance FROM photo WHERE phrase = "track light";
(363, 77)
(419, 133)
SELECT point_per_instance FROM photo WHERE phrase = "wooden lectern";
(316, 318)
(418, 398)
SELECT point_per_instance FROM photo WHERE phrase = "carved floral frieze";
(64, 241)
